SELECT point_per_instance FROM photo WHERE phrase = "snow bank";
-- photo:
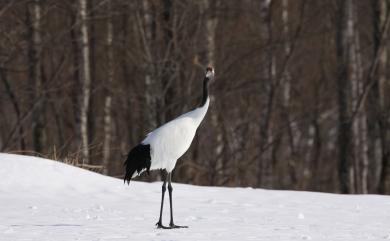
(46, 200)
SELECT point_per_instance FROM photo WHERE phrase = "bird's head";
(210, 73)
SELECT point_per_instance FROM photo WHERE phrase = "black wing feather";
(138, 160)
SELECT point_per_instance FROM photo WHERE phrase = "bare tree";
(343, 91)
(291, 125)
(107, 102)
(35, 75)
(360, 124)
(381, 19)
(264, 173)
(147, 32)
(86, 78)
(209, 9)
(355, 172)
(76, 76)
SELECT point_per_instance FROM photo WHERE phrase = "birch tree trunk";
(92, 36)
(354, 169)
(359, 173)
(287, 94)
(34, 59)
(361, 133)
(343, 92)
(265, 166)
(76, 90)
(131, 137)
(107, 102)
(381, 8)
(150, 82)
(209, 9)
(86, 79)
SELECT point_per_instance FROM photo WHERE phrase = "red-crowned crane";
(163, 146)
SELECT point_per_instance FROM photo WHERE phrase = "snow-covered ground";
(47, 200)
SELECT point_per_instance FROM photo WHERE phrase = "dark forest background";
(300, 101)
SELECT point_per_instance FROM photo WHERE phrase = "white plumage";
(171, 140)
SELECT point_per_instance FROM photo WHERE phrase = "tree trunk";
(211, 25)
(35, 78)
(355, 172)
(150, 70)
(107, 102)
(131, 137)
(343, 92)
(287, 95)
(92, 36)
(86, 79)
(76, 90)
(379, 103)
(361, 134)
(265, 165)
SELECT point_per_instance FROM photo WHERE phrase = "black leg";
(163, 189)
(171, 223)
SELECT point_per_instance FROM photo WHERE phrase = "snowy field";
(46, 200)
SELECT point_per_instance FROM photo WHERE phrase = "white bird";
(163, 146)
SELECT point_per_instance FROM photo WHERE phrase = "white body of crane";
(171, 140)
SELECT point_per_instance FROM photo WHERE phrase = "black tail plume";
(138, 160)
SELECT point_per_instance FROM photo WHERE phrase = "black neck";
(205, 91)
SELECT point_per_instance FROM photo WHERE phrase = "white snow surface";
(43, 200)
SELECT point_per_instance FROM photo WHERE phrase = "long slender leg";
(171, 223)
(163, 189)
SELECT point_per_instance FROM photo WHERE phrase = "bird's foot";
(159, 225)
(172, 225)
